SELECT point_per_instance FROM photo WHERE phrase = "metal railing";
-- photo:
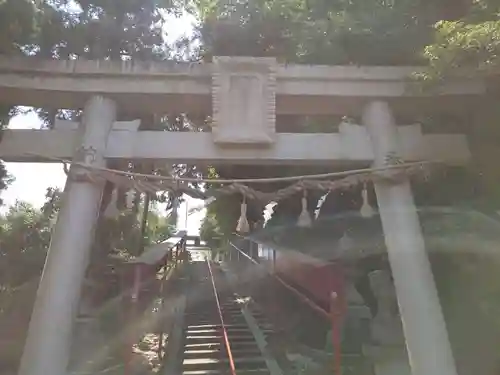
(143, 277)
(334, 316)
(223, 325)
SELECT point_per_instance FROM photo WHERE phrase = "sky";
(33, 179)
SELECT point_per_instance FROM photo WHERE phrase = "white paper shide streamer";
(243, 226)
(366, 211)
(305, 220)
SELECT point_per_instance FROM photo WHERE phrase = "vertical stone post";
(424, 327)
(50, 331)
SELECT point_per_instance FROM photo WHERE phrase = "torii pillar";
(424, 326)
(48, 344)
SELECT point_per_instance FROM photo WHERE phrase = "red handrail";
(224, 331)
(333, 316)
(304, 299)
(301, 296)
(335, 321)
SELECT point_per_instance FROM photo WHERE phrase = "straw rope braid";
(143, 184)
(392, 162)
(394, 169)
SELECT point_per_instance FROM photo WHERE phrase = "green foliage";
(25, 233)
(17, 24)
(62, 29)
(463, 48)
(469, 47)
(466, 46)
(98, 29)
(210, 232)
(220, 220)
(25, 237)
(83, 28)
(312, 32)
(159, 227)
(319, 32)
(122, 236)
(94, 29)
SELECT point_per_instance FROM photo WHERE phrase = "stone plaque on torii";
(244, 96)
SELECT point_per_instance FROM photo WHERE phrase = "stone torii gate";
(244, 95)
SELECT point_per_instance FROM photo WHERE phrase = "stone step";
(196, 346)
(208, 326)
(230, 330)
(217, 344)
(204, 364)
(221, 349)
(229, 323)
(218, 363)
(219, 372)
(241, 352)
(206, 337)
